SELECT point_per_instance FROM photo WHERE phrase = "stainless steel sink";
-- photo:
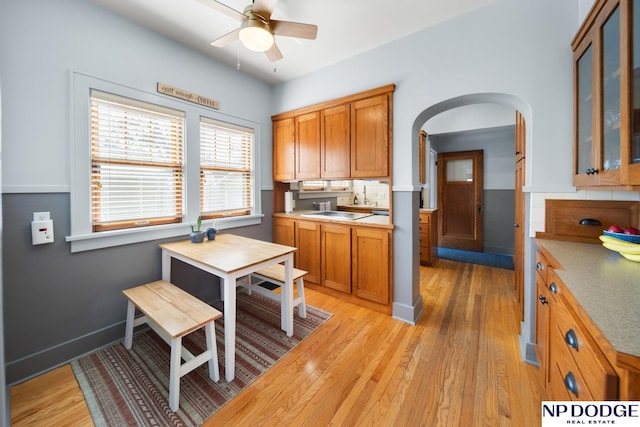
(341, 215)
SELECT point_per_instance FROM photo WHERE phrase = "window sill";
(107, 239)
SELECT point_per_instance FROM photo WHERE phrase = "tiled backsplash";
(538, 201)
(377, 193)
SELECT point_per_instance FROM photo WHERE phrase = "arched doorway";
(522, 115)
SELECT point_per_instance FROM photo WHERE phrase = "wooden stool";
(275, 274)
(172, 313)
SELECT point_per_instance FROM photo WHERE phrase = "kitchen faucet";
(366, 201)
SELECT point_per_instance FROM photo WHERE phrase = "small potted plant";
(211, 232)
(197, 235)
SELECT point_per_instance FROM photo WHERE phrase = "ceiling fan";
(257, 29)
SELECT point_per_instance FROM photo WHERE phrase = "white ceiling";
(345, 28)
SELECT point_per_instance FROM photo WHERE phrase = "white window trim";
(82, 237)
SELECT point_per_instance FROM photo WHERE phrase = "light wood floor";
(459, 366)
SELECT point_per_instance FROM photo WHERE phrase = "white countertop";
(372, 220)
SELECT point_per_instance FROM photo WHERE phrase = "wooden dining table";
(231, 257)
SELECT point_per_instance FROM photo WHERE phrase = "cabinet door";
(283, 231)
(599, 103)
(335, 150)
(371, 273)
(370, 137)
(542, 327)
(336, 257)
(308, 146)
(631, 149)
(284, 153)
(307, 235)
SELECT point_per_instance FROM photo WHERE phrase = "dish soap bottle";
(355, 200)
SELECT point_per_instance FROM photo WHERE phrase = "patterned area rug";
(127, 388)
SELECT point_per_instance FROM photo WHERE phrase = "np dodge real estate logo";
(620, 414)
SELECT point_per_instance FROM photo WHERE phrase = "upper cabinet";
(370, 137)
(284, 146)
(348, 137)
(607, 96)
(307, 145)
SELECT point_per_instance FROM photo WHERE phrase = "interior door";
(460, 198)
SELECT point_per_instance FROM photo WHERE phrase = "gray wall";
(498, 145)
(60, 305)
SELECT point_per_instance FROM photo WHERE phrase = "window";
(136, 169)
(136, 163)
(226, 169)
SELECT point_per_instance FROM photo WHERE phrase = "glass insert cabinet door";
(635, 76)
(584, 146)
(611, 92)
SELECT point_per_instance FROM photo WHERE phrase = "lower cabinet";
(371, 264)
(428, 237)
(336, 257)
(307, 257)
(345, 261)
(573, 363)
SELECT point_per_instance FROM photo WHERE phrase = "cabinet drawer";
(425, 218)
(425, 254)
(425, 240)
(425, 228)
(565, 371)
(571, 335)
(542, 265)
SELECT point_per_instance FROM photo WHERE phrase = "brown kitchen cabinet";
(307, 257)
(370, 137)
(578, 367)
(544, 300)
(307, 130)
(606, 98)
(284, 231)
(371, 272)
(572, 352)
(336, 257)
(343, 138)
(349, 262)
(335, 150)
(428, 237)
(284, 150)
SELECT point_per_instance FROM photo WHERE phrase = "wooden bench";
(173, 313)
(275, 275)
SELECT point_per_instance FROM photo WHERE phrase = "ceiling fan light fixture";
(255, 35)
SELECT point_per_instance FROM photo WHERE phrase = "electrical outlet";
(41, 216)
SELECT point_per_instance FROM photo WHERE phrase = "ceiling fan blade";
(264, 8)
(223, 8)
(226, 39)
(274, 53)
(294, 29)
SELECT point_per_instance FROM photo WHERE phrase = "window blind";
(226, 169)
(136, 163)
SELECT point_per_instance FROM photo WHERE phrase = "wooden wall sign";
(188, 96)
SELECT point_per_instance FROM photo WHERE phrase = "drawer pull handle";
(571, 384)
(539, 265)
(543, 300)
(571, 339)
(553, 287)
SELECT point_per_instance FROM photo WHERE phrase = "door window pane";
(460, 170)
